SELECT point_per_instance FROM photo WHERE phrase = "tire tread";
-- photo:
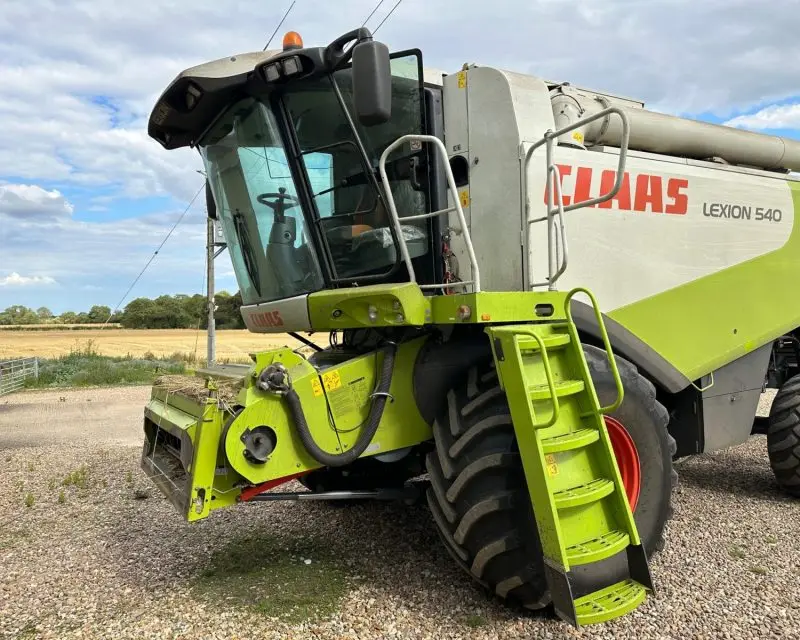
(783, 436)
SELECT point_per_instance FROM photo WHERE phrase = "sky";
(86, 196)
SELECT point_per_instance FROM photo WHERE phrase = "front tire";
(479, 498)
(783, 436)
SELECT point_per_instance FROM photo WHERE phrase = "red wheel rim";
(627, 459)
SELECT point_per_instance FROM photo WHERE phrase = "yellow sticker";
(464, 197)
(331, 380)
(316, 387)
(577, 136)
(462, 79)
(552, 465)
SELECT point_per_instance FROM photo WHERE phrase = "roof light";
(292, 65)
(193, 94)
(292, 40)
(272, 72)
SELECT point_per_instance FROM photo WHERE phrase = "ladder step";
(583, 494)
(563, 388)
(569, 441)
(597, 549)
(610, 602)
(553, 341)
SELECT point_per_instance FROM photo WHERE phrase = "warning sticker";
(350, 399)
(577, 136)
(331, 380)
(552, 465)
(341, 402)
(316, 387)
(462, 79)
(464, 197)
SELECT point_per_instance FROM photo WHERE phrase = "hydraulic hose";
(274, 378)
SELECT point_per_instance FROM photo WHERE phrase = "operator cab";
(291, 142)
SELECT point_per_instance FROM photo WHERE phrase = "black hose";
(380, 396)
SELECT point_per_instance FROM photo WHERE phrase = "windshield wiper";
(247, 250)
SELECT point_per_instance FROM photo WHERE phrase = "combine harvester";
(409, 213)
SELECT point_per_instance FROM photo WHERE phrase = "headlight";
(272, 72)
(292, 66)
(192, 96)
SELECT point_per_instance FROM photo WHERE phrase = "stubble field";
(232, 345)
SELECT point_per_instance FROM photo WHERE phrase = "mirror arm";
(211, 204)
(335, 55)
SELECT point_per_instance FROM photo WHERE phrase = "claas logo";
(267, 319)
(643, 192)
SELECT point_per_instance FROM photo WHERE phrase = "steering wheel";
(281, 202)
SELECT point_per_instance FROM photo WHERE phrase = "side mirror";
(372, 83)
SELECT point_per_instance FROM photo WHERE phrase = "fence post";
(36, 368)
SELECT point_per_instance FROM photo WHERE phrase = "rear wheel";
(479, 498)
(783, 436)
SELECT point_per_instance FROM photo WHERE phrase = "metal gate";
(14, 373)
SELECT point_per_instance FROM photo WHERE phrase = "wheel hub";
(627, 459)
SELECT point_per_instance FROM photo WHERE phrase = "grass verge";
(272, 576)
(85, 367)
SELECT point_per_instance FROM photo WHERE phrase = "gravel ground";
(95, 562)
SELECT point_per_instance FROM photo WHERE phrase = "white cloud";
(16, 280)
(92, 262)
(679, 55)
(31, 201)
(785, 116)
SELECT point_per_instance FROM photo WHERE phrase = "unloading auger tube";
(275, 378)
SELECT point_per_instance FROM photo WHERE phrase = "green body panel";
(344, 389)
(395, 305)
(492, 307)
(705, 324)
(203, 483)
(579, 502)
(204, 467)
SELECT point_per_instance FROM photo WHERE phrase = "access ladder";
(581, 509)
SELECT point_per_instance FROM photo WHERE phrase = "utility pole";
(211, 334)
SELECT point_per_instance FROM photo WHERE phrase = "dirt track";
(112, 416)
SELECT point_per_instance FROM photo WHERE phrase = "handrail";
(560, 212)
(548, 372)
(606, 343)
(451, 184)
(547, 140)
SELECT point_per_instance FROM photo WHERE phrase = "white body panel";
(280, 316)
(674, 227)
(671, 223)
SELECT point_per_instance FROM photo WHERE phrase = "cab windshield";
(301, 206)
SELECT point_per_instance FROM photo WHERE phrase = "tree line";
(179, 311)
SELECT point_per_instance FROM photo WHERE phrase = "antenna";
(377, 6)
(279, 25)
(397, 4)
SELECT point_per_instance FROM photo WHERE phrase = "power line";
(397, 4)
(279, 25)
(377, 6)
(155, 253)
